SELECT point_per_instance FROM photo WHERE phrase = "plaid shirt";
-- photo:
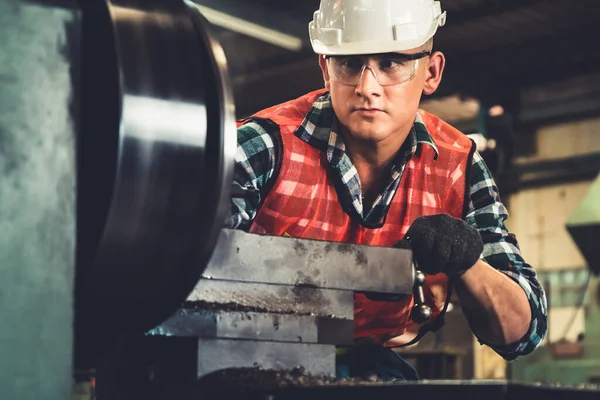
(256, 160)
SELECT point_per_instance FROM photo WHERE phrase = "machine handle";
(421, 312)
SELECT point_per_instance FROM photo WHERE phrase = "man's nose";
(367, 82)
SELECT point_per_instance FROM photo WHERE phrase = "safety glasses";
(388, 69)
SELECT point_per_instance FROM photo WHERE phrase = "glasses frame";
(404, 56)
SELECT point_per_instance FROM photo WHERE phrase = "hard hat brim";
(348, 49)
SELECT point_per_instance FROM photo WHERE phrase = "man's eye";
(348, 62)
(389, 64)
(353, 64)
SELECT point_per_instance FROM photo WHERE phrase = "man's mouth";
(368, 110)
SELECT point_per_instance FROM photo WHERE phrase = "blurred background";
(523, 80)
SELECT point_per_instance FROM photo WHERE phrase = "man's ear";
(435, 69)
(323, 65)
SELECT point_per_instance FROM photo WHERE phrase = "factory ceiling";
(493, 47)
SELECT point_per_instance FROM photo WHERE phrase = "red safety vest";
(303, 203)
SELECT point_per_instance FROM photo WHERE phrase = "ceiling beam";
(256, 21)
(533, 61)
(489, 8)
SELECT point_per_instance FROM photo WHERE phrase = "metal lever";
(421, 312)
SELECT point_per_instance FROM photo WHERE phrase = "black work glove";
(442, 243)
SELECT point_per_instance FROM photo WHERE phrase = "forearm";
(496, 306)
(255, 160)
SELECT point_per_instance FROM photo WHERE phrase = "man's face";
(373, 109)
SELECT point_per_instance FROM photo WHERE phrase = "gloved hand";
(442, 243)
(372, 360)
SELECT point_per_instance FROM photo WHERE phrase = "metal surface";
(446, 389)
(259, 291)
(258, 326)
(218, 354)
(173, 142)
(38, 121)
(240, 325)
(241, 256)
(421, 312)
(276, 298)
(460, 389)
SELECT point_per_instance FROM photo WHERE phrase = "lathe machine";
(117, 133)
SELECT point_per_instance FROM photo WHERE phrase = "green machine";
(574, 363)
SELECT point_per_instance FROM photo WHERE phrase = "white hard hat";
(345, 27)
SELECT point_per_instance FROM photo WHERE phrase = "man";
(358, 162)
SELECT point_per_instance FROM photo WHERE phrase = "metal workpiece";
(239, 325)
(220, 354)
(242, 256)
(257, 326)
(285, 299)
(156, 156)
(259, 291)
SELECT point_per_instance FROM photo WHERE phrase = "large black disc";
(155, 159)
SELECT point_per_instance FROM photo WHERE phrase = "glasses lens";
(392, 69)
(346, 69)
(389, 69)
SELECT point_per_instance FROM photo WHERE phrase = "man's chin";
(369, 135)
(368, 131)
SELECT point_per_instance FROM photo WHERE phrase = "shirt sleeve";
(501, 250)
(255, 161)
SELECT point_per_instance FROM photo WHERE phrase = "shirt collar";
(320, 129)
